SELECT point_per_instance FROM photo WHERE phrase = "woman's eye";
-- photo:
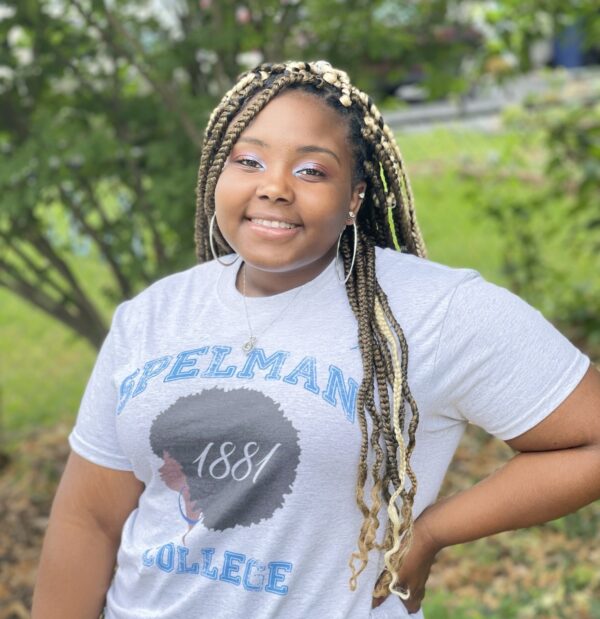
(248, 163)
(310, 172)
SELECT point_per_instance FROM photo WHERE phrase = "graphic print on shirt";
(230, 455)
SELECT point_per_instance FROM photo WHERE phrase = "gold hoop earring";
(211, 242)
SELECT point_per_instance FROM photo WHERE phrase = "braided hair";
(386, 219)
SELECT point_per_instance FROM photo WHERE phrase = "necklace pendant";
(249, 345)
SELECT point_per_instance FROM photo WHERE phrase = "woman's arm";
(78, 556)
(556, 472)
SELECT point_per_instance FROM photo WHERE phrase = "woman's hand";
(417, 564)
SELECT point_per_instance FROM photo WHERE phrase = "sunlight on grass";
(44, 366)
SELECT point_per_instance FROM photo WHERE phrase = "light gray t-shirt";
(250, 460)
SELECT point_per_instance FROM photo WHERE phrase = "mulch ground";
(27, 486)
(548, 572)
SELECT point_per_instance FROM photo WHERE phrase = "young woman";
(265, 434)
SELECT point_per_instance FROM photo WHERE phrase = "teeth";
(273, 224)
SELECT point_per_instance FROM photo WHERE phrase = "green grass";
(44, 366)
(455, 231)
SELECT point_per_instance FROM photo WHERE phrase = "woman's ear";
(358, 195)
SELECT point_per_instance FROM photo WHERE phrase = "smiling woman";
(262, 403)
(286, 192)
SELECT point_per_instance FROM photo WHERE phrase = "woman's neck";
(254, 282)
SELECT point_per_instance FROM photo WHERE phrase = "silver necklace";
(251, 342)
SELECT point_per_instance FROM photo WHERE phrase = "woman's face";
(283, 197)
(171, 472)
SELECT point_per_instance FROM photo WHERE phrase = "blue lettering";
(183, 361)
(183, 567)
(147, 560)
(151, 369)
(207, 555)
(260, 579)
(254, 574)
(338, 390)
(125, 390)
(275, 577)
(308, 369)
(165, 557)
(229, 567)
(347, 396)
(257, 357)
(213, 370)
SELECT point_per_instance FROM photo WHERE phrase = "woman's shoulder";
(398, 271)
(175, 289)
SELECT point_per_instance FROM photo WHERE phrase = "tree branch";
(34, 295)
(105, 249)
(40, 272)
(288, 19)
(136, 173)
(81, 299)
(134, 53)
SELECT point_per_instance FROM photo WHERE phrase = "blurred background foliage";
(103, 105)
(102, 109)
(550, 232)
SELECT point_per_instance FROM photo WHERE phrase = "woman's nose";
(275, 186)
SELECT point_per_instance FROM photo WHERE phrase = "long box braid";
(386, 219)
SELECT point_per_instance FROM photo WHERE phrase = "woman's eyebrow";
(253, 141)
(318, 149)
(309, 148)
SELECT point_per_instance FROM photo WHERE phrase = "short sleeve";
(500, 364)
(95, 435)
